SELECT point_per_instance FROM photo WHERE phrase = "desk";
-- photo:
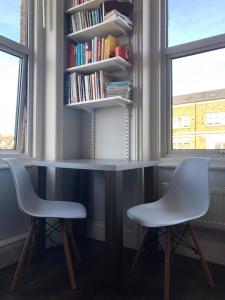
(113, 172)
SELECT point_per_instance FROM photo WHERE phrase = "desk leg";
(114, 226)
(40, 240)
(149, 184)
(150, 195)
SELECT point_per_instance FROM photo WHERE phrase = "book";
(110, 44)
(115, 14)
(118, 88)
(71, 54)
(84, 19)
(81, 88)
(94, 50)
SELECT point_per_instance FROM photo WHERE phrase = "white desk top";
(98, 165)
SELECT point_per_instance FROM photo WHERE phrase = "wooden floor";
(48, 279)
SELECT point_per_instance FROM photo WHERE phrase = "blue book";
(118, 84)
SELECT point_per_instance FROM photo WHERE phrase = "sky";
(191, 20)
(10, 19)
(9, 68)
(9, 65)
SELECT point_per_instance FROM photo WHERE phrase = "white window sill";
(215, 164)
(27, 161)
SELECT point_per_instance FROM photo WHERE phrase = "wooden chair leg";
(201, 255)
(139, 251)
(73, 241)
(32, 243)
(22, 257)
(167, 267)
(67, 255)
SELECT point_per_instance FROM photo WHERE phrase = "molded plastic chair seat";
(31, 204)
(158, 214)
(57, 209)
(186, 199)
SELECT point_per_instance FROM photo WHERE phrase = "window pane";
(198, 101)
(191, 20)
(13, 20)
(9, 78)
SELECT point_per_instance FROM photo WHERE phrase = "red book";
(99, 49)
(89, 52)
(122, 51)
(71, 55)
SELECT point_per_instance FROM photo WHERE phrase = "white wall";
(13, 224)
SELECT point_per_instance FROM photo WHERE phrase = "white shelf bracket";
(125, 105)
(127, 128)
(124, 32)
(93, 134)
(89, 110)
(123, 68)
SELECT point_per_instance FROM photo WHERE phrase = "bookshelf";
(92, 4)
(108, 65)
(91, 105)
(115, 27)
(118, 68)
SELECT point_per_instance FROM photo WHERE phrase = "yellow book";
(110, 44)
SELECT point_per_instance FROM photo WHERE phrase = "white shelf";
(107, 65)
(100, 103)
(92, 4)
(114, 27)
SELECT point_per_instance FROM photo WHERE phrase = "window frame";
(25, 85)
(167, 55)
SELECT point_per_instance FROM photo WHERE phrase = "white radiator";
(215, 217)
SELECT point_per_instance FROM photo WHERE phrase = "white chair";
(186, 199)
(30, 204)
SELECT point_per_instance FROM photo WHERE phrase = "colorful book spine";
(84, 19)
(95, 50)
(82, 88)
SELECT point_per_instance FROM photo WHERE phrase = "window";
(215, 119)
(194, 51)
(15, 83)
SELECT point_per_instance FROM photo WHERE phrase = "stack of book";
(113, 14)
(119, 88)
(84, 19)
(76, 2)
(72, 3)
(80, 88)
(95, 50)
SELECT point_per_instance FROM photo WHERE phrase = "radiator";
(215, 217)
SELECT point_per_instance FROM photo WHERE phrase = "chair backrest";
(26, 197)
(189, 187)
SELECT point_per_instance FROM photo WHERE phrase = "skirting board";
(214, 252)
(10, 250)
(96, 230)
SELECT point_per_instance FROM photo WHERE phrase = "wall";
(13, 224)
